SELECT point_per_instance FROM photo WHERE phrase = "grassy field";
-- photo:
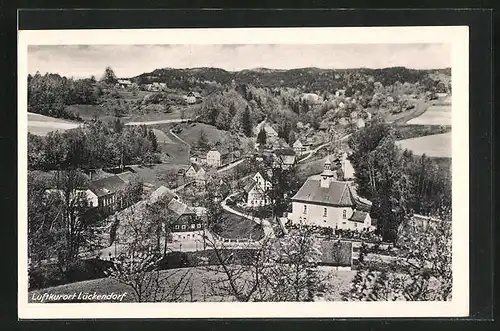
(435, 115)
(414, 131)
(41, 125)
(437, 145)
(199, 288)
(42, 118)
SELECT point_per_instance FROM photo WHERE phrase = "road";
(314, 151)
(230, 166)
(177, 120)
(266, 225)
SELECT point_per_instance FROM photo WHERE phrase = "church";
(327, 202)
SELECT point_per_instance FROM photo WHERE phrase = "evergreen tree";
(153, 140)
(262, 137)
(246, 123)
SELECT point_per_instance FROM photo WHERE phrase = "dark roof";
(250, 186)
(336, 194)
(107, 185)
(180, 208)
(284, 151)
(126, 176)
(358, 216)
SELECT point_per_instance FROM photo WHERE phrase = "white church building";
(326, 202)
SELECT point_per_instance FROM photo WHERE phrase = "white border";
(458, 36)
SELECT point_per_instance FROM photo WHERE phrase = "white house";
(214, 158)
(360, 123)
(89, 197)
(311, 98)
(197, 174)
(256, 191)
(301, 147)
(123, 83)
(324, 201)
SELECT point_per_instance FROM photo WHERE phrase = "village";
(192, 178)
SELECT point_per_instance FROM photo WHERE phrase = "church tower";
(327, 175)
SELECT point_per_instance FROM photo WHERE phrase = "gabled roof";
(162, 192)
(107, 185)
(126, 176)
(358, 216)
(195, 167)
(250, 186)
(180, 208)
(336, 194)
(284, 151)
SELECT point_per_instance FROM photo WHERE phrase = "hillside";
(307, 79)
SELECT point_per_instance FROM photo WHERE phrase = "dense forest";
(306, 79)
(96, 145)
(396, 181)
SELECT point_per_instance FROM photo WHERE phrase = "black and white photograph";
(315, 166)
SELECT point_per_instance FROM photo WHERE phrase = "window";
(183, 227)
(177, 226)
(344, 214)
(198, 225)
(305, 209)
(193, 226)
(325, 212)
(355, 225)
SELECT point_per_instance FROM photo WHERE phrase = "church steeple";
(327, 175)
(328, 163)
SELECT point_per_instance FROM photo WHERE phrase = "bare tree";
(272, 269)
(138, 266)
(421, 270)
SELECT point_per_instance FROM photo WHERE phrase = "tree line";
(93, 146)
(396, 181)
(49, 94)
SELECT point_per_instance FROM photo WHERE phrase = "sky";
(81, 61)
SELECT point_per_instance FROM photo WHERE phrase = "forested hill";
(307, 79)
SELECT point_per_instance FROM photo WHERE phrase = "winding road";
(314, 151)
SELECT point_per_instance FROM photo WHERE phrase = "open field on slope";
(437, 145)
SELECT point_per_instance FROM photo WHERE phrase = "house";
(123, 83)
(85, 196)
(106, 191)
(189, 99)
(256, 191)
(360, 123)
(197, 174)
(214, 158)
(184, 224)
(326, 202)
(311, 98)
(284, 158)
(300, 147)
(270, 132)
(279, 143)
